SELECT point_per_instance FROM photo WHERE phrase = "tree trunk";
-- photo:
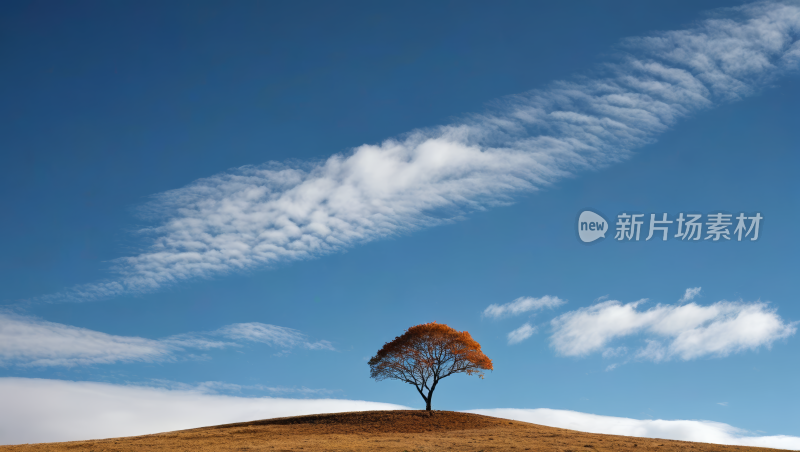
(430, 394)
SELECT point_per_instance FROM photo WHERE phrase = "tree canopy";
(425, 354)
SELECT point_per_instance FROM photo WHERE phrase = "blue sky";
(198, 192)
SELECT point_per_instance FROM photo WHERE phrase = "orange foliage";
(425, 354)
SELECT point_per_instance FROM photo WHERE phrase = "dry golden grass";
(391, 431)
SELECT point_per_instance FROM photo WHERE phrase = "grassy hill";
(394, 431)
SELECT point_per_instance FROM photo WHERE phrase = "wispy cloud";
(298, 391)
(685, 331)
(521, 333)
(522, 305)
(700, 431)
(614, 352)
(258, 216)
(690, 294)
(36, 410)
(219, 387)
(27, 341)
(276, 336)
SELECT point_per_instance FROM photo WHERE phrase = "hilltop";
(391, 431)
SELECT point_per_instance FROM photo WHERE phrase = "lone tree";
(425, 354)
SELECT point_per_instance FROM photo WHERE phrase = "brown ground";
(391, 431)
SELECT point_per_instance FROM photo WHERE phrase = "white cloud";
(27, 341)
(219, 387)
(671, 331)
(690, 294)
(276, 336)
(521, 305)
(37, 410)
(205, 387)
(258, 216)
(521, 333)
(35, 342)
(698, 431)
(295, 390)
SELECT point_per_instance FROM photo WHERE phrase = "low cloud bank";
(36, 410)
(698, 431)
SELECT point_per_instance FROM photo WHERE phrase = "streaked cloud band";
(259, 216)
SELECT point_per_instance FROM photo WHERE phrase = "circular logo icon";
(591, 226)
